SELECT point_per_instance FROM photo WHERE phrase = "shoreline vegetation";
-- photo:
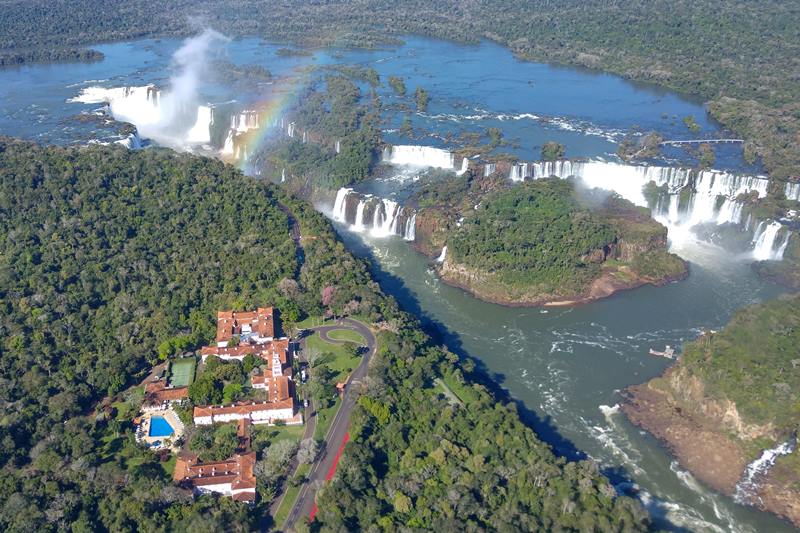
(541, 243)
(733, 394)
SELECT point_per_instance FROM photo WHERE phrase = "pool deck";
(158, 443)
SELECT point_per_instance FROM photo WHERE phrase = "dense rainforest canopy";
(536, 232)
(753, 362)
(105, 254)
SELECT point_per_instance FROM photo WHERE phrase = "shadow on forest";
(543, 426)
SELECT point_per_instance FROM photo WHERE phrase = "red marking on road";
(332, 471)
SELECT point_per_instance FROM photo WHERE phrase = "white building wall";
(222, 488)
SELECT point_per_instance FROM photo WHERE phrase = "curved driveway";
(341, 422)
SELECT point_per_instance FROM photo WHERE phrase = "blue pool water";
(159, 427)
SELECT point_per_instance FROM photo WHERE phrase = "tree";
(552, 151)
(231, 392)
(308, 450)
(422, 98)
(398, 85)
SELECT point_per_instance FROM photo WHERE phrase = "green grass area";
(181, 372)
(324, 419)
(347, 335)
(462, 391)
(169, 465)
(269, 435)
(449, 394)
(290, 497)
(341, 361)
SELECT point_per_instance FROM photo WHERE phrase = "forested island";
(543, 242)
(106, 253)
(733, 394)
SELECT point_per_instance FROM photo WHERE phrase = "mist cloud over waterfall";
(176, 115)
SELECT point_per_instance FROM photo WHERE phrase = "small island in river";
(542, 242)
(730, 409)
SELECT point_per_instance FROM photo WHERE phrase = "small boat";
(669, 352)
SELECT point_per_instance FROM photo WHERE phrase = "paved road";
(310, 420)
(339, 426)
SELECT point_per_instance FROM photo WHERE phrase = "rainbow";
(270, 112)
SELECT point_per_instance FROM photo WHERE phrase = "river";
(565, 366)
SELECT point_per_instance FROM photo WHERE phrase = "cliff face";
(431, 231)
(711, 439)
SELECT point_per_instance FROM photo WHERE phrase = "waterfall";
(442, 255)
(464, 167)
(283, 175)
(340, 205)
(338, 147)
(764, 242)
(290, 130)
(419, 156)
(131, 142)
(358, 225)
(201, 131)
(792, 191)
(489, 169)
(305, 137)
(410, 232)
(691, 197)
(747, 487)
(245, 121)
(385, 221)
(227, 148)
(381, 216)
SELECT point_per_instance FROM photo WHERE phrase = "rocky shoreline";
(609, 283)
(701, 434)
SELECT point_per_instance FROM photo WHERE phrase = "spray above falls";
(174, 116)
(684, 198)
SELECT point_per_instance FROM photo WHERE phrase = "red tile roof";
(238, 471)
(264, 351)
(156, 392)
(243, 408)
(261, 322)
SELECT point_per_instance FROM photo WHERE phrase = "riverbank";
(543, 242)
(710, 454)
(485, 286)
(725, 410)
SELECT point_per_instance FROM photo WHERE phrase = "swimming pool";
(159, 427)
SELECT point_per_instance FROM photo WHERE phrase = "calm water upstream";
(567, 365)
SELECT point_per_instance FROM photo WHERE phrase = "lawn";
(290, 497)
(347, 335)
(341, 362)
(325, 418)
(464, 392)
(269, 435)
(181, 372)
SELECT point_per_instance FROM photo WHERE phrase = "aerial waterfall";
(747, 487)
(464, 167)
(201, 131)
(765, 239)
(687, 198)
(792, 191)
(381, 217)
(421, 156)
